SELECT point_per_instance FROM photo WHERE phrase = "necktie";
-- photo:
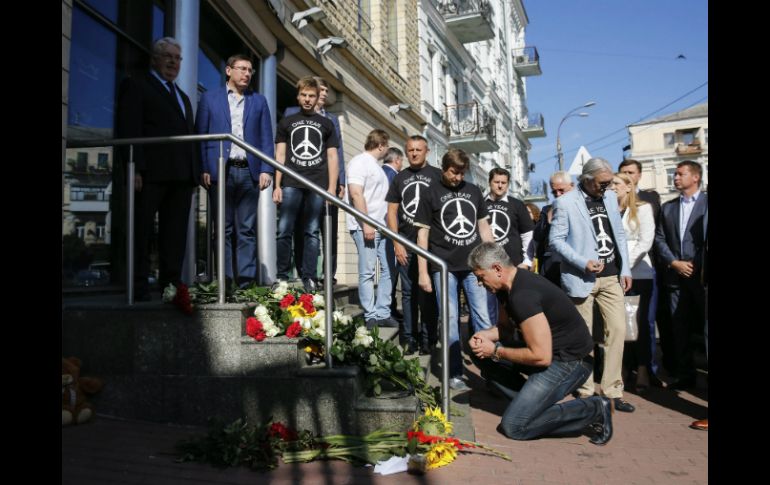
(172, 92)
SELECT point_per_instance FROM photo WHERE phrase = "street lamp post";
(570, 114)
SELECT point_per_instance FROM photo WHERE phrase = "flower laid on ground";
(179, 295)
(428, 442)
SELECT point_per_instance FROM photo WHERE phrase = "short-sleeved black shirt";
(508, 220)
(406, 190)
(307, 138)
(452, 214)
(532, 294)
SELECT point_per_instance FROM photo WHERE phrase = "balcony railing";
(470, 127)
(693, 148)
(526, 61)
(533, 125)
(469, 20)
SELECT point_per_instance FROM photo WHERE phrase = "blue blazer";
(214, 117)
(671, 245)
(340, 159)
(573, 237)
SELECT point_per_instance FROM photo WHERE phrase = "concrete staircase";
(160, 365)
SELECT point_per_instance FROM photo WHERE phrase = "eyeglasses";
(244, 69)
(604, 185)
(171, 57)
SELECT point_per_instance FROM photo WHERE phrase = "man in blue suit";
(680, 242)
(299, 233)
(237, 109)
(587, 232)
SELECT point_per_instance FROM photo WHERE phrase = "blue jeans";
(492, 307)
(533, 411)
(368, 252)
(241, 199)
(477, 301)
(306, 206)
(422, 322)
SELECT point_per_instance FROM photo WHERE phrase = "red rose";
(254, 327)
(294, 330)
(260, 336)
(287, 300)
(309, 308)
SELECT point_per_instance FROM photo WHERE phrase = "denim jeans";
(241, 199)
(533, 410)
(492, 307)
(368, 252)
(419, 308)
(305, 206)
(477, 301)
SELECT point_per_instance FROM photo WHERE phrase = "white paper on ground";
(394, 464)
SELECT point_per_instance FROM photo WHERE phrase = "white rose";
(261, 313)
(280, 292)
(362, 337)
(169, 293)
(319, 320)
(306, 323)
(318, 301)
(270, 329)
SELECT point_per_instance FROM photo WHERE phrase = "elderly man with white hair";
(587, 232)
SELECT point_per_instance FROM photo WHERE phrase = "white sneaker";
(457, 384)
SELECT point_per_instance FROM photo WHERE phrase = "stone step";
(161, 365)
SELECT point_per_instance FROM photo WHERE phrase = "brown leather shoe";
(702, 424)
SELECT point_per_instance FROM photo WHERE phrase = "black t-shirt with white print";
(508, 220)
(406, 189)
(605, 239)
(307, 138)
(452, 214)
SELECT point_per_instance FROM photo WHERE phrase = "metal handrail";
(327, 240)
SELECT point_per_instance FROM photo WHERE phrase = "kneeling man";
(554, 352)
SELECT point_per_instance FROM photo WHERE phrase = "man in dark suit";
(236, 109)
(320, 108)
(391, 165)
(151, 105)
(679, 240)
(549, 262)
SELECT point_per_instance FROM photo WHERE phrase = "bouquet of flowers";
(428, 444)
(178, 295)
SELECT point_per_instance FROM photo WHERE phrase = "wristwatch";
(494, 356)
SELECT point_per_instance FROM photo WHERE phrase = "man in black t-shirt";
(403, 198)
(556, 354)
(510, 223)
(307, 143)
(452, 219)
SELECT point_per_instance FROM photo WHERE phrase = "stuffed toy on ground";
(75, 408)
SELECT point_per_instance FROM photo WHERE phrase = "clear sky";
(622, 54)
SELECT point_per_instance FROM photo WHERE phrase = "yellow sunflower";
(433, 423)
(440, 454)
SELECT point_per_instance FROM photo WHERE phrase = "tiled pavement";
(650, 446)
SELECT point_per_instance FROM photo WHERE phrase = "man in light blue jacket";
(587, 232)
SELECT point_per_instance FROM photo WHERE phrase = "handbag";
(632, 306)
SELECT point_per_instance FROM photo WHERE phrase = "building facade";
(473, 65)
(453, 71)
(660, 144)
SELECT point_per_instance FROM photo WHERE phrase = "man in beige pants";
(587, 232)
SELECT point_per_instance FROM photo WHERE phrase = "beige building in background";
(660, 144)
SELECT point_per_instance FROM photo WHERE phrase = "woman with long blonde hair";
(639, 226)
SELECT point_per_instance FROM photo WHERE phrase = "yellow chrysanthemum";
(440, 454)
(433, 423)
(299, 311)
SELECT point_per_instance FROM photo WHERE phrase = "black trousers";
(171, 201)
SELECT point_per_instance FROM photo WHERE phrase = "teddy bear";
(75, 409)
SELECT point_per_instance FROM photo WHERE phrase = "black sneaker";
(309, 285)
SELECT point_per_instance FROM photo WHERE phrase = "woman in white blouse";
(639, 225)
